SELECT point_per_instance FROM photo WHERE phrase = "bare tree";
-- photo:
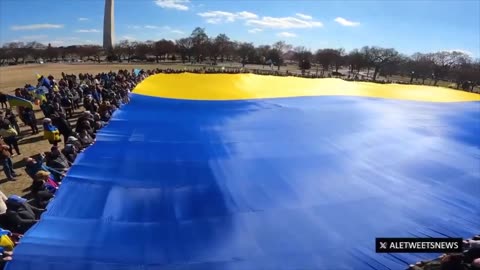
(212, 50)
(163, 47)
(444, 61)
(368, 58)
(199, 43)
(127, 49)
(465, 73)
(184, 47)
(3, 56)
(245, 51)
(35, 50)
(326, 58)
(275, 57)
(339, 59)
(93, 52)
(394, 67)
(304, 58)
(61, 53)
(380, 57)
(119, 51)
(71, 52)
(219, 47)
(355, 60)
(420, 66)
(279, 49)
(282, 46)
(142, 49)
(262, 52)
(223, 45)
(51, 53)
(82, 52)
(16, 51)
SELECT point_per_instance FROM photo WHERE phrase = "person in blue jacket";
(42, 81)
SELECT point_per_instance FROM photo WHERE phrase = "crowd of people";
(94, 98)
(87, 100)
(468, 260)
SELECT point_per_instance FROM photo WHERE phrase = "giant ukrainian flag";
(247, 172)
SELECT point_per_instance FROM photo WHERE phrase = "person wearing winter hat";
(70, 152)
(50, 132)
(75, 142)
(21, 214)
(57, 161)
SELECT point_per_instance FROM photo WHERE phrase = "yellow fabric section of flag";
(250, 86)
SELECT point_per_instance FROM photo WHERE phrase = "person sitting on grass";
(57, 161)
(70, 152)
(73, 140)
(99, 124)
(44, 181)
(86, 116)
(85, 138)
(105, 110)
(86, 125)
(34, 165)
(21, 215)
(43, 188)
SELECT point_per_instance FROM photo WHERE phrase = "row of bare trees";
(20, 52)
(370, 62)
(452, 66)
(199, 47)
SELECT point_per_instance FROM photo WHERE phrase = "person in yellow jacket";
(9, 135)
(50, 132)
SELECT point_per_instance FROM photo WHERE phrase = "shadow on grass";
(29, 196)
(19, 164)
(31, 140)
(4, 180)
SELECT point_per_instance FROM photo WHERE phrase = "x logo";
(383, 245)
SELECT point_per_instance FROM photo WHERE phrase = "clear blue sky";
(408, 26)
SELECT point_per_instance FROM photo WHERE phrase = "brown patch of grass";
(29, 145)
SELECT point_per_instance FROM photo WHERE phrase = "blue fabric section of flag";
(288, 183)
(46, 82)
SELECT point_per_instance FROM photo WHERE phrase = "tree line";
(369, 61)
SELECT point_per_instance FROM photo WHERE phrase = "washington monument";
(108, 26)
